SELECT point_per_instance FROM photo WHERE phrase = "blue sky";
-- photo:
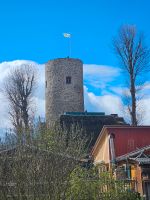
(32, 29)
(32, 32)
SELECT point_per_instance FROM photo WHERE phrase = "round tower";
(64, 88)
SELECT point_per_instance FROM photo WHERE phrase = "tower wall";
(64, 88)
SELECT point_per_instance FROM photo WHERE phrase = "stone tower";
(64, 88)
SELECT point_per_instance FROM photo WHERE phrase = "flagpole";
(68, 35)
(70, 47)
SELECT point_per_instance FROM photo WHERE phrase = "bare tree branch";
(134, 56)
(18, 88)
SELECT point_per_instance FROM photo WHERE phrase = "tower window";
(46, 84)
(68, 80)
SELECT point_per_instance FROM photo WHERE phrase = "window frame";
(68, 80)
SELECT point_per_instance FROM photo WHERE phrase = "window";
(130, 144)
(46, 84)
(68, 80)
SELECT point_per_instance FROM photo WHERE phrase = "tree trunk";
(133, 99)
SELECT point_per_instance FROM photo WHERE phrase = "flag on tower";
(67, 35)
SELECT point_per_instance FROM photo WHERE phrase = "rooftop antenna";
(68, 35)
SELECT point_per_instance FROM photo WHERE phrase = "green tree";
(41, 170)
(90, 184)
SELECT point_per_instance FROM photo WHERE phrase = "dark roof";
(141, 161)
(90, 122)
(85, 113)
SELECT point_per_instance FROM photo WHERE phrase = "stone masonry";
(64, 88)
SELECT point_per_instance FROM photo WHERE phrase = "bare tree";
(18, 88)
(134, 56)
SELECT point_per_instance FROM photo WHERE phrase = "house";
(126, 150)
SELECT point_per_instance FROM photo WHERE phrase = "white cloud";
(121, 91)
(147, 86)
(109, 103)
(99, 76)
(39, 107)
(95, 76)
(101, 71)
(144, 110)
(4, 122)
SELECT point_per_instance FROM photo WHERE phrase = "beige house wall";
(101, 152)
